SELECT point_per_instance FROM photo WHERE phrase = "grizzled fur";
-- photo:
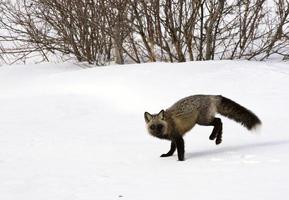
(238, 113)
(181, 117)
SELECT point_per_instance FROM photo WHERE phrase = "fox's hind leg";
(217, 131)
(171, 151)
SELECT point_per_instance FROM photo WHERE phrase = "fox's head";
(156, 124)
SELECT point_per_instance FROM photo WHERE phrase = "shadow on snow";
(235, 148)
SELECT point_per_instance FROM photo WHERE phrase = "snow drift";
(72, 133)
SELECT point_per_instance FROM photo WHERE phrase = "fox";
(173, 123)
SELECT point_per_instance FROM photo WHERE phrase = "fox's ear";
(161, 114)
(148, 117)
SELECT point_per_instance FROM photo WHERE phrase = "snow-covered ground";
(68, 133)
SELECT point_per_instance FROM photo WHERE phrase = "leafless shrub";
(101, 31)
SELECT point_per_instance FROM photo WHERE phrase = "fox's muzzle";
(157, 128)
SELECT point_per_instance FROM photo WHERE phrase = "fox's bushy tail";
(238, 113)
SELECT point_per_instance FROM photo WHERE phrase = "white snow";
(68, 133)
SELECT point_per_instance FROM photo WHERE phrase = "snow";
(73, 133)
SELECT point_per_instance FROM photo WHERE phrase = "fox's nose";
(160, 127)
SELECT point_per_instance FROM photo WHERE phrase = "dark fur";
(217, 131)
(238, 113)
(171, 151)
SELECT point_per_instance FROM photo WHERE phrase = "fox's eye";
(152, 127)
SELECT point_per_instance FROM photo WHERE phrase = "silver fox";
(181, 117)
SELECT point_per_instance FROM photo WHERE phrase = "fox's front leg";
(171, 151)
(179, 142)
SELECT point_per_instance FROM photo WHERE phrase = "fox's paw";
(165, 155)
(181, 157)
(213, 136)
(218, 141)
